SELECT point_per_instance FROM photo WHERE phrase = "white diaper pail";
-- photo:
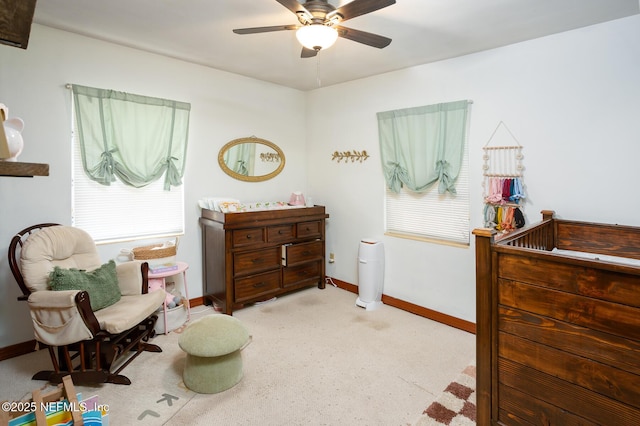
(370, 274)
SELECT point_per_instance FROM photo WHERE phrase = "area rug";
(315, 359)
(457, 404)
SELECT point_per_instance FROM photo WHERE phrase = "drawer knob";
(248, 236)
(257, 260)
(280, 232)
(258, 285)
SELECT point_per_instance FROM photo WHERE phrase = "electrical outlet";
(332, 258)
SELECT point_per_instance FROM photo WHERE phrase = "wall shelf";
(18, 169)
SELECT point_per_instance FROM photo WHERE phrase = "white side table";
(182, 269)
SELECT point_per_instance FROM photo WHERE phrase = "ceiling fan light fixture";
(317, 36)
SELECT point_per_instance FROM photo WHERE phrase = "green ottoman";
(213, 344)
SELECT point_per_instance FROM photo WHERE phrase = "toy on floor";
(170, 299)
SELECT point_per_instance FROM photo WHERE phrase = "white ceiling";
(423, 31)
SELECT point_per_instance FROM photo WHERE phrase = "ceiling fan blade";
(265, 29)
(363, 37)
(360, 7)
(296, 7)
(308, 53)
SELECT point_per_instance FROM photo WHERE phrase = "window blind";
(429, 214)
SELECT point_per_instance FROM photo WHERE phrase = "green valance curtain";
(134, 138)
(423, 145)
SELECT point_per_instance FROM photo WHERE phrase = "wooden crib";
(558, 324)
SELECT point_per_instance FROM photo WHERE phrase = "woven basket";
(151, 252)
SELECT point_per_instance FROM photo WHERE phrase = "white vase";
(12, 129)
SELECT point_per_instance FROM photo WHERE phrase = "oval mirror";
(251, 159)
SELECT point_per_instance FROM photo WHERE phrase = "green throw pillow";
(101, 283)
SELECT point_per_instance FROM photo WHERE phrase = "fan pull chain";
(318, 70)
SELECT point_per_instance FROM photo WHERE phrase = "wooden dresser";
(253, 256)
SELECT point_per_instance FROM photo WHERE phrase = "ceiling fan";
(319, 24)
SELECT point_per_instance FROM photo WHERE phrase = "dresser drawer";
(302, 252)
(248, 237)
(309, 229)
(293, 275)
(256, 260)
(280, 233)
(256, 286)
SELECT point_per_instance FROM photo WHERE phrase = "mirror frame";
(251, 139)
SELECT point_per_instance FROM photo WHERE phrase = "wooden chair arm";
(84, 307)
(144, 269)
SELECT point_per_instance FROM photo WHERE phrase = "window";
(107, 208)
(120, 212)
(424, 154)
(430, 215)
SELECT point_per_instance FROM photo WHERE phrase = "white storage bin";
(176, 317)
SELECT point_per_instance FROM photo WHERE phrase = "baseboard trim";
(412, 308)
(17, 349)
(198, 301)
(30, 346)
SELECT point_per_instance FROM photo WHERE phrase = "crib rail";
(538, 237)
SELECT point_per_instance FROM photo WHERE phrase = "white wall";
(573, 102)
(223, 107)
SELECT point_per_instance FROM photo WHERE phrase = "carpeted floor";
(315, 359)
(457, 404)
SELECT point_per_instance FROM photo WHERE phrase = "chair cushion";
(129, 311)
(63, 246)
(129, 277)
(101, 283)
